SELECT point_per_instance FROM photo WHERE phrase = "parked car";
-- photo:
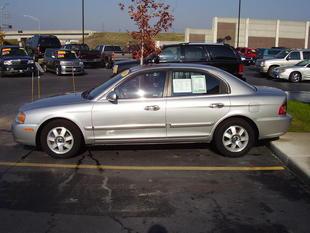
(62, 61)
(112, 53)
(87, 56)
(284, 58)
(167, 103)
(297, 73)
(218, 55)
(248, 53)
(15, 60)
(265, 53)
(37, 44)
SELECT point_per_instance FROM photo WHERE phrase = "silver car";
(297, 73)
(282, 59)
(168, 103)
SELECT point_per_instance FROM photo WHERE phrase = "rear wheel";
(61, 139)
(234, 137)
(295, 77)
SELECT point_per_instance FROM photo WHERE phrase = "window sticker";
(6, 51)
(182, 85)
(199, 84)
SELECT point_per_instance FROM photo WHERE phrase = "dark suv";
(219, 55)
(37, 44)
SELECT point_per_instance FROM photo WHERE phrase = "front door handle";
(152, 108)
(217, 105)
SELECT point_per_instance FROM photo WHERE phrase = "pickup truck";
(87, 56)
(112, 53)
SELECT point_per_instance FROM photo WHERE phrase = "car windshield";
(83, 47)
(95, 92)
(63, 54)
(303, 63)
(12, 52)
(282, 54)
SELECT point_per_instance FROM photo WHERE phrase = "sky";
(105, 15)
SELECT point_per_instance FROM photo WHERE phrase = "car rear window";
(49, 42)
(219, 52)
(112, 49)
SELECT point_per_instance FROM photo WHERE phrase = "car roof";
(192, 43)
(10, 46)
(171, 66)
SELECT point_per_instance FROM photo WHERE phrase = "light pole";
(83, 21)
(35, 19)
(238, 33)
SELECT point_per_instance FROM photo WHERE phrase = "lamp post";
(35, 19)
(238, 33)
(83, 21)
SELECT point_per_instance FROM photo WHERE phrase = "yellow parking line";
(146, 168)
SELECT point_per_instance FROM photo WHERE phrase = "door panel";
(129, 119)
(195, 116)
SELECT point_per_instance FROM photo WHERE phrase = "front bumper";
(25, 133)
(96, 61)
(282, 75)
(15, 69)
(72, 69)
(263, 69)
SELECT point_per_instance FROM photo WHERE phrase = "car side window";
(294, 56)
(145, 85)
(308, 66)
(221, 52)
(306, 55)
(170, 54)
(187, 83)
(194, 53)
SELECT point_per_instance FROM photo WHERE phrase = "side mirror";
(53, 56)
(112, 97)
(288, 58)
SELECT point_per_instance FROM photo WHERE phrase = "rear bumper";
(273, 127)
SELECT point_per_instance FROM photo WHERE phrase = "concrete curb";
(290, 163)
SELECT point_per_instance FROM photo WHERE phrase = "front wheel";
(61, 139)
(234, 137)
(270, 71)
(58, 71)
(295, 77)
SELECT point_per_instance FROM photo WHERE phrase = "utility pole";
(238, 33)
(83, 21)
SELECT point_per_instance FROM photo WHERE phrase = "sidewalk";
(293, 149)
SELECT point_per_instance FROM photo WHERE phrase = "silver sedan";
(170, 103)
(297, 73)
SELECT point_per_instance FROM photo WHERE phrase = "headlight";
(7, 62)
(20, 118)
(115, 69)
(30, 61)
(81, 63)
(262, 63)
(62, 63)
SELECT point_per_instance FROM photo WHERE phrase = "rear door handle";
(217, 105)
(152, 108)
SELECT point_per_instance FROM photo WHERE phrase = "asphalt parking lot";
(171, 188)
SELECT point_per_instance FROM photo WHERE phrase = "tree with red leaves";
(151, 18)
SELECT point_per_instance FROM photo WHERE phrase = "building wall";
(255, 33)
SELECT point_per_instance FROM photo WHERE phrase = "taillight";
(240, 69)
(283, 109)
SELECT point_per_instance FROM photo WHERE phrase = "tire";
(44, 68)
(58, 71)
(270, 71)
(295, 77)
(234, 137)
(61, 139)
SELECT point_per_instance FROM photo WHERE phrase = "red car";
(248, 53)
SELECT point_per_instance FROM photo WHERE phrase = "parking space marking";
(146, 168)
